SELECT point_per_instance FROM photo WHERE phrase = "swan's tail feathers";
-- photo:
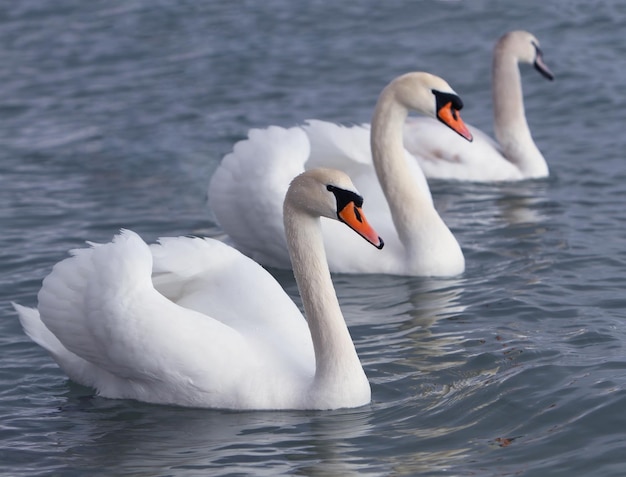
(36, 330)
(75, 367)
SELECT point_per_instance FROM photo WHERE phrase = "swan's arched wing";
(102, 306)
(247, 190)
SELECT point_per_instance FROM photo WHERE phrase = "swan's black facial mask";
(540, 65)
(344, 197)
(444, 98)
(448, 106)
(349, 212)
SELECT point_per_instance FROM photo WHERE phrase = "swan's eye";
(537, 49)
(344, 197)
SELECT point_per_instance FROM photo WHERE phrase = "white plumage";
(515, 156)
(193, 322)
(398, 203)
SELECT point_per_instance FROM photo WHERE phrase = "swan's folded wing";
(341, 147)
(214, 279)
(441, 153)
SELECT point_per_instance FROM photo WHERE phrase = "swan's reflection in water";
(470, 208)
(397, 322)
(523, 202)
(105, 437)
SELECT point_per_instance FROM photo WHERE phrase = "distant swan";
(193, 322)
(418, 241)
(515, 156)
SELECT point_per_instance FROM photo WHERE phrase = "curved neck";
(337, 363)
(404, 197)
(511, 127)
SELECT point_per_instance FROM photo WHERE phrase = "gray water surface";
(115, 114)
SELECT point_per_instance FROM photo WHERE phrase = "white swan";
(193, 322)
(515, 156)
(418, 241)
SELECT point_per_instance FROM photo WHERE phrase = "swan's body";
(514, 156)
(418, 241)
(193, 322)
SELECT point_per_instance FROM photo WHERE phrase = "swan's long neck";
(411, 210)
(337, 363)
(511, 127)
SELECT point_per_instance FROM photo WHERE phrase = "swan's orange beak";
(451, 118)
(353, 217)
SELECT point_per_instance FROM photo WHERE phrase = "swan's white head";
(330, 193)
(432, 96)
(524, 47)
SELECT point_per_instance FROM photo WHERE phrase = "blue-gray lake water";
(115, 114)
